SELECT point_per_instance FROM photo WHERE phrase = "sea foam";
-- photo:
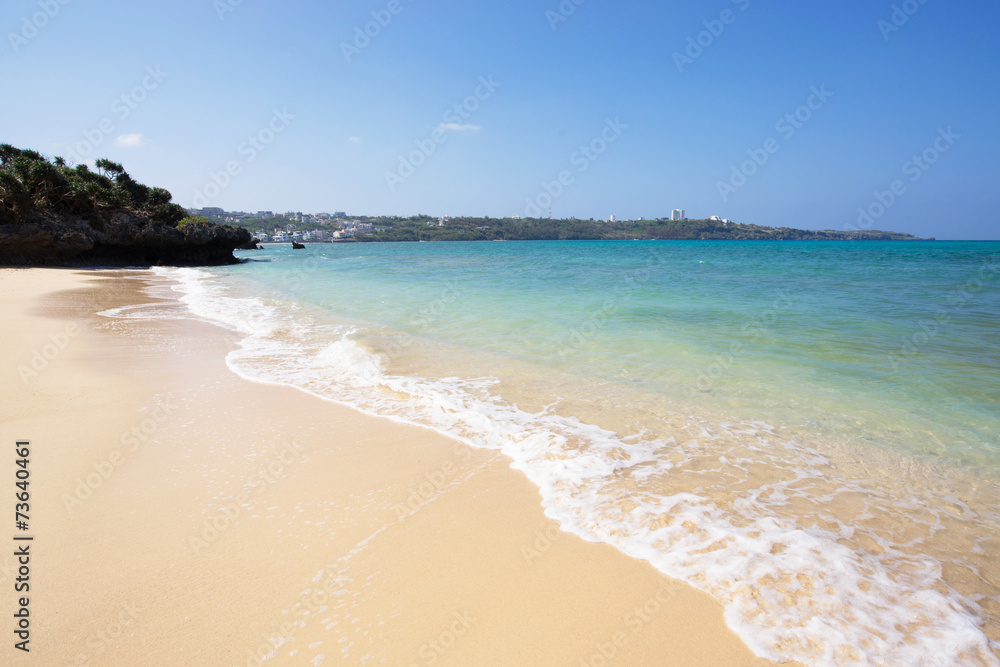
(793, 581)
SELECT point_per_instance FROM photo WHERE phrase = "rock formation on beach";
(55, 215)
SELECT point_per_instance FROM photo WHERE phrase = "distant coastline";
(426, 228)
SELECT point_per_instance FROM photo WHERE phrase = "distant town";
(299, 227)
(338, 227)
(293, 226)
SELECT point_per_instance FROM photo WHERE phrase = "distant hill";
(425, 228)
(53, 214)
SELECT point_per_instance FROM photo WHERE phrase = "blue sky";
(266, 98)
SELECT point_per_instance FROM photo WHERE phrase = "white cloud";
(354, 140)
(455, 127)
(130, 141)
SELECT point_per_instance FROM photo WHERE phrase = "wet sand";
(185, 516)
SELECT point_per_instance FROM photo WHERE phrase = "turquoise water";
(902, 339)
(809, 432)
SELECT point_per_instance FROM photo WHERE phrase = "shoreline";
(789, 528)
(226, 516)
(603, 240)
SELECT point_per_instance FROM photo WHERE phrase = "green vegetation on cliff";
(31, 184)
(53, 214)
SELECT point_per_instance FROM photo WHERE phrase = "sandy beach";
(184, 516)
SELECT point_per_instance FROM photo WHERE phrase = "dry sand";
(185, 516)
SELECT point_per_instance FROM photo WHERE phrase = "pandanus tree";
(29, 182)
(109, 169)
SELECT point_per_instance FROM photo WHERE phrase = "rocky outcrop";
(250, 245)
(122, 239)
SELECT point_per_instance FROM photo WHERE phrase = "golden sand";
(185, 516)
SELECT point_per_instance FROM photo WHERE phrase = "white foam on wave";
(139, 311)
(789, 592)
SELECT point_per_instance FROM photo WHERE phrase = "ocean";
(807, 431)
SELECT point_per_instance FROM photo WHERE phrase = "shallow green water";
(901, 340)
(807, 432)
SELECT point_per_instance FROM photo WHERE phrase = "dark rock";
(124, 239)
(297, 246)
